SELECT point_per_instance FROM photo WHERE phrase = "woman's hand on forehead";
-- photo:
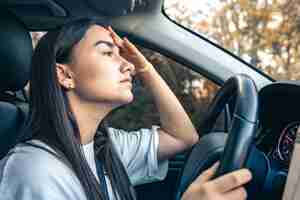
(130, 52)
(116, 38)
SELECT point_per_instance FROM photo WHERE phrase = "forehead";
(96, 33)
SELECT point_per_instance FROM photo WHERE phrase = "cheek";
(94, 68)
(97, 80)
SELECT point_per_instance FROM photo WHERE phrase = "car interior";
(262, 115)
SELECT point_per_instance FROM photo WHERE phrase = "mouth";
(129, 79)
(127, 82)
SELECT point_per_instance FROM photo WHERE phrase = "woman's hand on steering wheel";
(226, 187)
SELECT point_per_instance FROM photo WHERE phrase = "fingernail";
(247, 174)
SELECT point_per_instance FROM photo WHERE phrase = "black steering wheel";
(231, 149)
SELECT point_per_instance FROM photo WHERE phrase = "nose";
(127, 66)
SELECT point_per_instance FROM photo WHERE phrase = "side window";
(264, 33)
(194, 91)
(36, 36)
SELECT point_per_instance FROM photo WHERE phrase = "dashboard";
(282, 151)
(279, 120)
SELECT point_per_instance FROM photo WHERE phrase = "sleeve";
(138, 152)
(26, 179)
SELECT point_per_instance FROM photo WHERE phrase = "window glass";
(36, 36)
(264, 33)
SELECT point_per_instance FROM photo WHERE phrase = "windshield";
(264, 33)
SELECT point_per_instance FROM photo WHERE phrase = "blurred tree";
(265, 33)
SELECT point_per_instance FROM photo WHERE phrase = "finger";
(232, 180)
(130, 46)
(114, 34)
(236, 194)
(117, 39)
(207, 174)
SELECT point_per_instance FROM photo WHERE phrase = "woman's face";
(101, 75)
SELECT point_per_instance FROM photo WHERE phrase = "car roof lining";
(47, 14)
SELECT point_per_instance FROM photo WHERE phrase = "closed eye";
(107, 53)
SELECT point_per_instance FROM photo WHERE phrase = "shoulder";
(122, 136)
(33, 160)
(36, 169)
(133, 140)
(138, 152)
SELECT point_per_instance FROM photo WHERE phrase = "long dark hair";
(51, 120)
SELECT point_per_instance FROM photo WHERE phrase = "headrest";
(15, 53)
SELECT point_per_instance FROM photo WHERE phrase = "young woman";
(80, 73)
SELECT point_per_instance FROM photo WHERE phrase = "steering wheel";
(231, 149)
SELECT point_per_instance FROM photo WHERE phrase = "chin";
(129, 99)
(126, 99)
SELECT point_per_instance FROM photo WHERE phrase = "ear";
(65, 76)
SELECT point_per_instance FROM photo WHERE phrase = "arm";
(177, 132)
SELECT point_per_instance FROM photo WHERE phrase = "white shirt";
(28, 172)
(88, 150)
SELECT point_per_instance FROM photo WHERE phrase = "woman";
(80, 73)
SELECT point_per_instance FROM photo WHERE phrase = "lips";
(127, 82)
(129, 79)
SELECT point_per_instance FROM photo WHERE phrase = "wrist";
(147, 75)
(146, 68)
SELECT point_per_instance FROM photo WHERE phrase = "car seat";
(15, 56)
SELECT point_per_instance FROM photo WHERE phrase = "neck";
(88, 116)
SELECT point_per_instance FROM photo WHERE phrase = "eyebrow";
(109, 44)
